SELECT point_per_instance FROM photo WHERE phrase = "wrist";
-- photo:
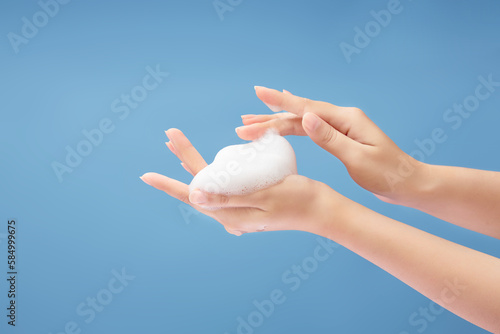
(420, 185)
(330, 212)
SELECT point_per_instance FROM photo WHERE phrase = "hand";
(297, 203)
(372, 159)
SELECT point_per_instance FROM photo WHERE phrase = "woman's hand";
(372, 159)
(297, 203)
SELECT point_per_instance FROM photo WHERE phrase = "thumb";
(219, 201)
(329, 138)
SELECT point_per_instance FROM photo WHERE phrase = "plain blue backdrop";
(190, 276)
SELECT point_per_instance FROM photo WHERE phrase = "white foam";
(245, 168)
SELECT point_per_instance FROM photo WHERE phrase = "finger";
(247, 116)
(205, 199)
(330, 139)
(257, 119)
(187, 169)
(185, 151)
(172, 187)
(338, 117)
(171, 148)
(175, 189)
(234, 232)
(284, 126)
(251, 119)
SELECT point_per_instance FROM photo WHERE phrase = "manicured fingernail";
(273, 108)
(186, 168)
(270, 106)
(311, 122)
(166, 132)
(247, 116)
(239, 128)
(145, 179)
(171, 147)
(287, 92)
(197, 197)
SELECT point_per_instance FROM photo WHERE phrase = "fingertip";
(168, 134)
(271, 97)
(273, 107)
(246, 121)
(241, 129)
(171, 147)
(146, 178)
(248, 132)
(243, 136)
(197, 197)
(261, 90)
(171, 132)
(310, 122)
(233, 232)
(187, 168)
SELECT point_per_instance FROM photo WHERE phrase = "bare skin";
(466, 197)
(460, 279)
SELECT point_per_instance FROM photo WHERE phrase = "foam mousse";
(245, 168)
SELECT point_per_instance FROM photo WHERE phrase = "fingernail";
(311, 122)
(197, 197)
(144, 179)
(273, 108)
(171, 147)
(287, 92)
(166, 132)
(239, 128)
(247, 116)
(270, 106)
(186, 168)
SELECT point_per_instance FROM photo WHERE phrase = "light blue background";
(191, 276)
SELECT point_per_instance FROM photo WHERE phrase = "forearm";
(466, 197)
(460, 279)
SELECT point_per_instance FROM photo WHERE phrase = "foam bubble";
(245, 168)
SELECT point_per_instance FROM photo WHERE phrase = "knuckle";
(329, 135)
(223, 200)
(276, 124)
(356, 112)
(325, 106)
(185, 199)
(308, 105)
(284, 126)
